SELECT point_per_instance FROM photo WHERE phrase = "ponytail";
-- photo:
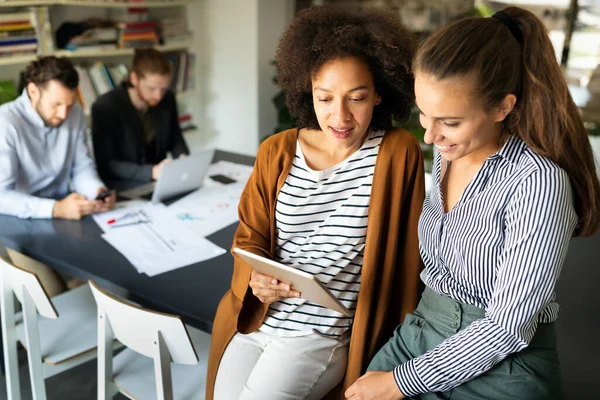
(549, 121)
(512, 53)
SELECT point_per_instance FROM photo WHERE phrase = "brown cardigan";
(390, 285)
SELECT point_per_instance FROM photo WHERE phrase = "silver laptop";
(177, 177)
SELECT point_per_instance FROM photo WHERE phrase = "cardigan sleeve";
(254, 235)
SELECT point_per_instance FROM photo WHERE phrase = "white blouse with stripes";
(321, 223)
(500, 248)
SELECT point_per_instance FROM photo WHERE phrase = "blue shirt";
(501, 248)
(40, 164)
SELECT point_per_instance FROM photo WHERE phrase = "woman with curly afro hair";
(337, 197)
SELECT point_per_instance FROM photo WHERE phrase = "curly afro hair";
(320, 34)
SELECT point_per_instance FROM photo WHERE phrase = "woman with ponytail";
(514, 181)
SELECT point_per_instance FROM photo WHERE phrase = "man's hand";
(374, 385)
(269, 290)
(74, 206)
(157, 169)
(108, 203)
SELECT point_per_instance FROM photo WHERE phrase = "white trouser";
(259, 366)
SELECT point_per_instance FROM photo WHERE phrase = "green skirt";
(531, 374)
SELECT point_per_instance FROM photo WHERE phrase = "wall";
(235, 40)
(273, 17)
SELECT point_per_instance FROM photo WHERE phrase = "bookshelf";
(82, 54)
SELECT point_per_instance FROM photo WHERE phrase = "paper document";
(155, 241)
(209, 209)
(122, 212)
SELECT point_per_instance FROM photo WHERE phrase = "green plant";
(7, 91)
(480, 11)
(593, 128)
(284, 118)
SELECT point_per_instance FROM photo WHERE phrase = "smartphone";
(104, 194)
(222, 179)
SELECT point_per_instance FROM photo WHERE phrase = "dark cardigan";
(118, 136)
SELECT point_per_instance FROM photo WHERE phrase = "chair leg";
(105, 349)
(34, 353)
(162, 370)
(2, 369)
(9, 340)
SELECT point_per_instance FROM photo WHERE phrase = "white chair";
(161, 338)
(54, 344)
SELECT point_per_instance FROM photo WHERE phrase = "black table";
(77, 249)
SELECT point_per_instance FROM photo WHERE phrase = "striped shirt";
(500, 248)
(321, 223)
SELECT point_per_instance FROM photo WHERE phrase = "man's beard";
(141, 97)
(47, 122)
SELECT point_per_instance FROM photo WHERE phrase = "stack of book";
(137, 34)
(136, 29)
(17, 33)
(174, 30)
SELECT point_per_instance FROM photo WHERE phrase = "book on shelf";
(137, 25)
(134, 15)
(25, 32)
(15, 17)
(16, 27)
(18, 48)
(17, 33)
(183, 66)
(17, 40)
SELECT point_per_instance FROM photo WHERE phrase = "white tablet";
(309, 286)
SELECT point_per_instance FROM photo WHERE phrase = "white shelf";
(185, 94)
(26, 3)
(190, 132)
(115, 52)
(17, 59)
(26, 58)
(92, 3)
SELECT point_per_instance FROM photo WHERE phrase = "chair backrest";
(18, 279)
(138, 328)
